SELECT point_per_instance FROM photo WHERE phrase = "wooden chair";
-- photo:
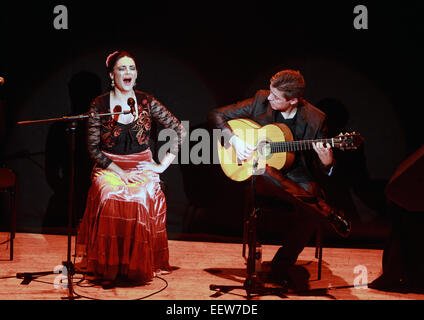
(8, 183)
(263, 208)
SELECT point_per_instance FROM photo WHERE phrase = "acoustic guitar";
(274, 147)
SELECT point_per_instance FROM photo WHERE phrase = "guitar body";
(258, 136)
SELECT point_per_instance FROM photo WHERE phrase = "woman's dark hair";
(290, 82)
(113, 58)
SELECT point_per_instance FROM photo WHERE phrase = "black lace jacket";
(106, 134)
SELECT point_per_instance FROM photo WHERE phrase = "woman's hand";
(152, 166)
(132, 177)
(157, 167)
(129, 177)
(126, 176)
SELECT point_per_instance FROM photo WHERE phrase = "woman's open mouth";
(127, 80)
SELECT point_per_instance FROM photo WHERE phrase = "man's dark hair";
(290, 82)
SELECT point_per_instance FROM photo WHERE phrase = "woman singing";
(123, 232)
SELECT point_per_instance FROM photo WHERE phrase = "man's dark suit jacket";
(310, 124)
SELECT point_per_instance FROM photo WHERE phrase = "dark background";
(194, 57)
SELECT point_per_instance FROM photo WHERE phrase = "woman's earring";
(112, 83)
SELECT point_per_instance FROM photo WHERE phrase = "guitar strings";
(286, 146)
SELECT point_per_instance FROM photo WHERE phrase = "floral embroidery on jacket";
(105, 133)
(109, 132)
(142, 126)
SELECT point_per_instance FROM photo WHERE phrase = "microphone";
(117, 110)
(131, 103)
(1, 81)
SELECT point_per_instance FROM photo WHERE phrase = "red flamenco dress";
(123, 230)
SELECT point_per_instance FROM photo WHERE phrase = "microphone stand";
(68, 265)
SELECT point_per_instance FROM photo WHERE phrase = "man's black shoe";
(339, 224)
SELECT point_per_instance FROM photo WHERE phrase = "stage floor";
(197, 265)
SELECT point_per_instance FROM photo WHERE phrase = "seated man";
(284, 103)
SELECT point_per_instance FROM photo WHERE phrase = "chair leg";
(320, 263)
(11, 250)
(13, 196)
(246, 212)
(318, 252)
(245, 228)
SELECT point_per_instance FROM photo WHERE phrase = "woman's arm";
(164, 117)
(158, 167)
(93, 137)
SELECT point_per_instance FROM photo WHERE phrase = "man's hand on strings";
(325, 153)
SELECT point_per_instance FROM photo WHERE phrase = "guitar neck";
(291, 146)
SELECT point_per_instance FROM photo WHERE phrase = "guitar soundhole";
(264, 149)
